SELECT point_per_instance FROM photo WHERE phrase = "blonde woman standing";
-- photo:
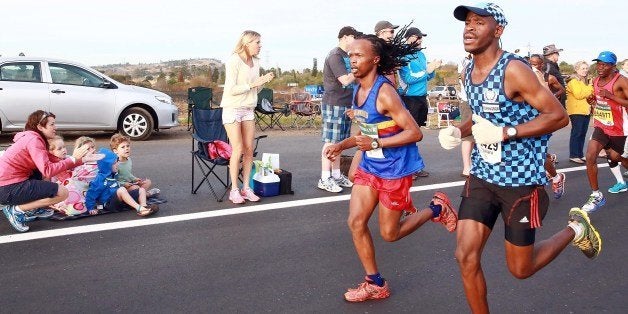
(579, 110)
(242, 82)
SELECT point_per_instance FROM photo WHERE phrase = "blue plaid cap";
(481, 9)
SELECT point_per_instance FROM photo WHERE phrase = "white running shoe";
(329, 185)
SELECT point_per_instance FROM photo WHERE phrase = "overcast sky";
(293, 32)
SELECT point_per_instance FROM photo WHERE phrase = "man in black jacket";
(551, 53)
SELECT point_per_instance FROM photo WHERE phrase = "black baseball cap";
(348, 31)
(412, 31)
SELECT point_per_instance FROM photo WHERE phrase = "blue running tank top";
(388, 162)
(522, 159)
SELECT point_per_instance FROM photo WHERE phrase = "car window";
(21, 72)
(439, 88)
(73, 75)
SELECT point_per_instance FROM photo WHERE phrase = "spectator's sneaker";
(15, 217)
(343, 181)
(618, 188)
(590, 242)
(40, 213)
(559, 187)
(235, 197)
(407, 212)
(367, 291)
(153, 192)
(420, 174)
(594, 202)
(448, 216)
(329, 185)
(248, 194)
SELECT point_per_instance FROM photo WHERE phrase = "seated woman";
(23, 165)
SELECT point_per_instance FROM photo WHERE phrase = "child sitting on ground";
(105, 192)
(121, 145)
(78, 181)
(58, 152)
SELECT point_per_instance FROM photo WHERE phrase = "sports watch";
(374, 144)
(511, 132)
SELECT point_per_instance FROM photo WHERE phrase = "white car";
(81, 98)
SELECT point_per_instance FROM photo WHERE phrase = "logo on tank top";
(490, 103)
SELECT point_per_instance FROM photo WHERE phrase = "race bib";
(603, 113)
(491, 153)
(370, 130)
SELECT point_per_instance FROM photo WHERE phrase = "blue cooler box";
(266, 189)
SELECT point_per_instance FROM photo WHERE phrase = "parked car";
(81, 98)
(440, 92)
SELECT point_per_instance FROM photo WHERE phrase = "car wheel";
(136, 123)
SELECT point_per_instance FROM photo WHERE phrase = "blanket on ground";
(66, 215)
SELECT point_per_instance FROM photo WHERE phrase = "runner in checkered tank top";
(513, 116)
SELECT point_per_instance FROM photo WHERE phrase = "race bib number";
(491, 153)
(603, 113)
(490, 108)
(370, 130)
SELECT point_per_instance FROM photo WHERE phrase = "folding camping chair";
(207, 127)
(199, 97)
(303, 109)
(265, 107)
(443, 109)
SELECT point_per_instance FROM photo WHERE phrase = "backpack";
(219, 149)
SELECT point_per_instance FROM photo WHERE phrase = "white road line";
(212, 213)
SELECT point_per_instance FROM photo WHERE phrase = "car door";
(21, 93)
(79, 98)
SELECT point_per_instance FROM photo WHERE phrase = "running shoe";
(343, 181)
(153, 192)
(39, 213)
(248, 194)
(590, 242)
(448, 216)
(559, 187)
(618, 188)
(367, 291)
(420, 174)
(235, 197)
(329, 185)
(15, 217)
(594, 202)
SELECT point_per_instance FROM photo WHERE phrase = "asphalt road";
(291, 253)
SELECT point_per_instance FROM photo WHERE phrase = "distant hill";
(142, 70)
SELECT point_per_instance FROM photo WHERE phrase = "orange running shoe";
(367, 291)
(448, 216)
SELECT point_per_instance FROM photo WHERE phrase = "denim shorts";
(27, 191)
(231, 115)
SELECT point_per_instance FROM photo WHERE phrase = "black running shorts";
(522, 208)
(615, 143)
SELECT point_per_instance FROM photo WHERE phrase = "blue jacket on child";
(104, 186)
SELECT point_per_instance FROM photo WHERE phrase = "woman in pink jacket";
(22, 166)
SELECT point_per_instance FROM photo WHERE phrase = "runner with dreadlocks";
(387, 139)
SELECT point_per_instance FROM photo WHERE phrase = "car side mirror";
(106, 84)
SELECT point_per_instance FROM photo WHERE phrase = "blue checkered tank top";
(522, 159)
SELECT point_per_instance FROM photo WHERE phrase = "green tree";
(566, 68)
